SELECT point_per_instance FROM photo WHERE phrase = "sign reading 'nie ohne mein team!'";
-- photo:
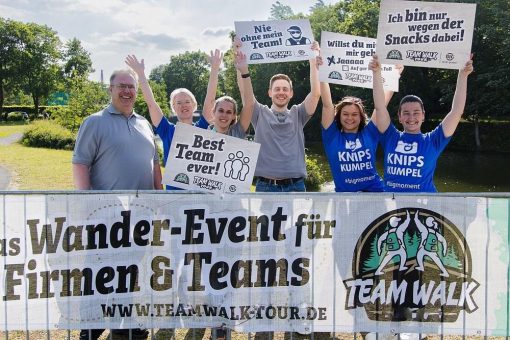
(275, 41)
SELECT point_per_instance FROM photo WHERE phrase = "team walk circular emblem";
(411, 264)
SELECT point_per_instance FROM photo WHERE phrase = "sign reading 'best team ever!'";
(209, 161)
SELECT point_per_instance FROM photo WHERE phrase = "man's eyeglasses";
(125, 86)
(294, 32)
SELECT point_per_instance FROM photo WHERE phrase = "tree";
(77, 60)
(189, 70)
(318, 4)
(490, 85)
(158, 73)
(10, 58)
(85, 97)
(15, 96)
(161, 96)
(40, 52)
(280, 11)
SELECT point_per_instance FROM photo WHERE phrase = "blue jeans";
(264, 186)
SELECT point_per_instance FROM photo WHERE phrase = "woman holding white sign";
(350, 141)
(410, 156)
(182, 102)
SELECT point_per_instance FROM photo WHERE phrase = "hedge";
(47, 134)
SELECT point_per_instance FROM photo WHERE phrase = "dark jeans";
(290, 185)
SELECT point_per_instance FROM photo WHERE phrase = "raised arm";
(247, 99)
(312, 99)
(139, 67)
(236, 47)
(328, 109)
(244, 82)
(402, 228)
(387, 95)
(382, 120)
(452, 119)
(215, 61)
(421, 228)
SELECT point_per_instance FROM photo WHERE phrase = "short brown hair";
(278, 77)
(349, 100)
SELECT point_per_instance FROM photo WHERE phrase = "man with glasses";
(115, 150)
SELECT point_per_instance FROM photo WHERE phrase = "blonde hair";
(185, 91)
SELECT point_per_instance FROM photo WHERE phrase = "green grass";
(38, 168)
(35, 168)
(8, 129)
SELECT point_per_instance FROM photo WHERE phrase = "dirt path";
(5, 174)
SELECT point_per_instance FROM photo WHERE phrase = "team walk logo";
(412, 264)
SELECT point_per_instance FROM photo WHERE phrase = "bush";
(30, 109)
(16, 116)
(47, 134)
(314, 179)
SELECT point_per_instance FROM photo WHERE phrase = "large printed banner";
(255, 262)
(205, 160)
(275, 41)
(426, 34)
(346, 58)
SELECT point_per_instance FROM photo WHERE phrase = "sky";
(150, 29)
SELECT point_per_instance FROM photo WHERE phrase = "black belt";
(284, 181)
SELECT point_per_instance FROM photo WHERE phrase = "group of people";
(410, 156)
(115, 148)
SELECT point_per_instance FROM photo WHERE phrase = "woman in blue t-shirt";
(182, 103)
(410, 156)
(350, 142)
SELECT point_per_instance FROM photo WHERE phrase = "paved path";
(5, 175)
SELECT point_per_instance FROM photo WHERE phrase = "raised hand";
(137, 66)
(468, 67)
(319, 61)
(399, 68)
(215, 59)
(236, 44)
(374, 65)
(241, 62)
(315, 46)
